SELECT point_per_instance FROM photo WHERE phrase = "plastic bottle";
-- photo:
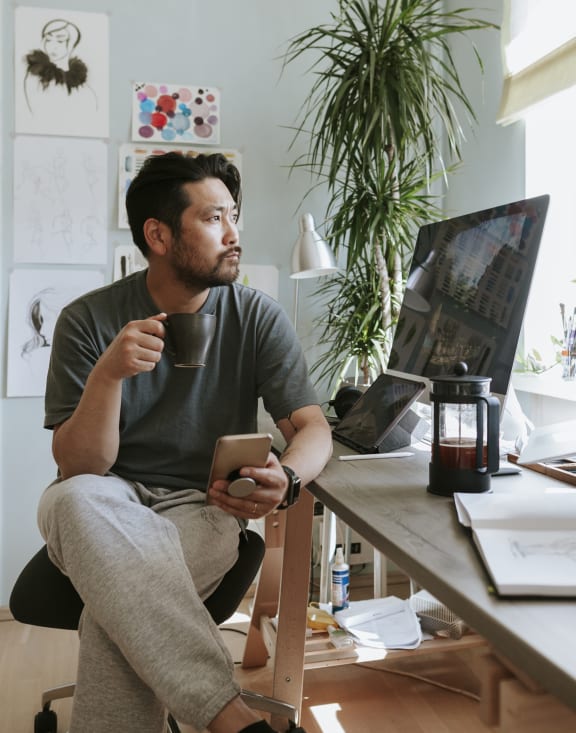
(340, 581)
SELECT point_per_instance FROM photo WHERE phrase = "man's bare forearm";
(309, 442)
(88, 441)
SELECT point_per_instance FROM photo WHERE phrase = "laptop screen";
(376, 412)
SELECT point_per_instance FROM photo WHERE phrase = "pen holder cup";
(568, 362)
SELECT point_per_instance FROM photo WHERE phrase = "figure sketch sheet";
(61, 72)
(527, 541)
(35, 301)
(60, 200)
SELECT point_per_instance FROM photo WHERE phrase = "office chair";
(43, 596)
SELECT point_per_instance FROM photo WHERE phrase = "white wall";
(492, 172)
(234, 46)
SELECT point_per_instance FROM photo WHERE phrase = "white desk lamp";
(420, 285)
(311, 257)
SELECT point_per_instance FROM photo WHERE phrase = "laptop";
(368, 424)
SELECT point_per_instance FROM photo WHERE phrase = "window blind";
(539, 53)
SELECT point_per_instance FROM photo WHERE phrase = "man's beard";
(224, 273)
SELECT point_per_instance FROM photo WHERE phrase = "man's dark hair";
(157, 191)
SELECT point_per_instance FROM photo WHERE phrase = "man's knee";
(67, 498)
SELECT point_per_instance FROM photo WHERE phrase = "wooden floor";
(350, 699)
(384, 697)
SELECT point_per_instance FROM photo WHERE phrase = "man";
(129, 519)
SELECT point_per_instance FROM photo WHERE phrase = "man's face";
(207, 253)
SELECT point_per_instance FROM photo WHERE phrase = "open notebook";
(526, 540)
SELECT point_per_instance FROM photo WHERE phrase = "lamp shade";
(311, 256)
(420, 285)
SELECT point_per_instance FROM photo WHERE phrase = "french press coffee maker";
(465, 443)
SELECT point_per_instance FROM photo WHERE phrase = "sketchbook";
(527, 541)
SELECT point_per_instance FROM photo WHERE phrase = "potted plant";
(381, 110)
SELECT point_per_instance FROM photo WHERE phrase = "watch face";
(290, 475)
(297, 485)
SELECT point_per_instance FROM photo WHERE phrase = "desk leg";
(268, 590)
(380, 575)
(294, 593)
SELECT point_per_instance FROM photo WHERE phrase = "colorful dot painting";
(175, 114)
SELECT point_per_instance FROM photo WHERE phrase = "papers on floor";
(527, 541)
(382, 623)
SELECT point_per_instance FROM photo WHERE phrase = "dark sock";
(260, 727)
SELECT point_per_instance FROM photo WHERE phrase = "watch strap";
(293, 491)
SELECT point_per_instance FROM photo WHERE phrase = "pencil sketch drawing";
(60, 200)
(563, 546)
(41, 315)
(53, 70)
(35, 302)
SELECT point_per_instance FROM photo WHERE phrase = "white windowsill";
(548, 384)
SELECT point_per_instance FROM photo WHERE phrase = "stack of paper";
(383, 623)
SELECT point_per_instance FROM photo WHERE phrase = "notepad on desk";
(527, 541)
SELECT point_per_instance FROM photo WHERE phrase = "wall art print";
(60, 200)
(131, 157)
(61, 72)
(36, 299)
(172, 113)
(261, 277)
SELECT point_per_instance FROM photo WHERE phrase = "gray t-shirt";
(170, 417)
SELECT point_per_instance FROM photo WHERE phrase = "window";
(539, 52)
(551, 168)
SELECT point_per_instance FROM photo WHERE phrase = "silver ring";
(255, 508)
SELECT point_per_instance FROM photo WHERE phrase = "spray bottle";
(340, 581)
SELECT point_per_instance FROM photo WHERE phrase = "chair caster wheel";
(45, 722)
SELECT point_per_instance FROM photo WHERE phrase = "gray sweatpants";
(142, 560)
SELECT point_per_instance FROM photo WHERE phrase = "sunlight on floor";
(237, 618)
(327, 717)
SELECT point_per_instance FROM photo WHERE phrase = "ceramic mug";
(189, 336)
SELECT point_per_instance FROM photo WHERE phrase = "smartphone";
(232, 452)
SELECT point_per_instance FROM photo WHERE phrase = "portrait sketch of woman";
(35, 301)
(61, 68)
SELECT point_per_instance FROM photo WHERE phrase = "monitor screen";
(466, 293)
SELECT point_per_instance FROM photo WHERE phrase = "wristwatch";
(294, 485)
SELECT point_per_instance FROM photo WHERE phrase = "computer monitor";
(466, 293)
